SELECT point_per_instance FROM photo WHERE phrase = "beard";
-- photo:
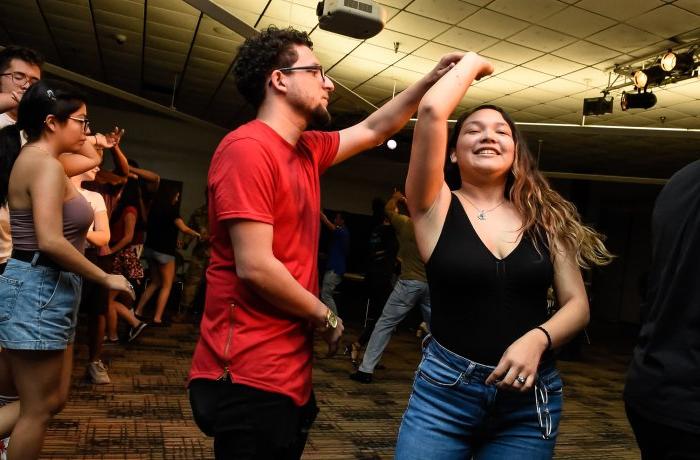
(319, 117)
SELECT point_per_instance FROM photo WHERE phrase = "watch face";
(332, 319)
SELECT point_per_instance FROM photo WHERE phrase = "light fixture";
(668, 61)
(391, 143)
(638, 100)
(597, 105)
(685, 63)
(651, 76)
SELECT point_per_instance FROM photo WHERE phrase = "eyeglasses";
(21, 78)
(543, 416)
(84, 121)
(308, 68)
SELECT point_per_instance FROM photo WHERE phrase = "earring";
(453, 157)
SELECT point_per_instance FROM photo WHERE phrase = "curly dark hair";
(19, 52)
(258, 56)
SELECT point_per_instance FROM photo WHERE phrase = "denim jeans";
(331, 280)
(405, 296)
(452, 414)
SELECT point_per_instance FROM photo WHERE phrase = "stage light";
(391, 143)
(637, 100)
(668, 61)
(685, 63)
(597, 105)
(651, 76)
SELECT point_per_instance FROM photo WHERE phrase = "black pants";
(248, 423)
(662, 442)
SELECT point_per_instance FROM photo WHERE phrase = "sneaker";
(136, 331)
(98, 373)
(362, 377)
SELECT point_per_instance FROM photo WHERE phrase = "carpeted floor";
(145, 414)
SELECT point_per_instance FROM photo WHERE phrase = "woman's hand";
(517, 369)
(119, 283)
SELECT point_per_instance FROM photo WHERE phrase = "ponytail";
(10, 145)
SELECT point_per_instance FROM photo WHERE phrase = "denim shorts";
(159, 257)
(38, 307)
(452, 414)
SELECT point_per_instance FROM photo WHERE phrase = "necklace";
(481, 212)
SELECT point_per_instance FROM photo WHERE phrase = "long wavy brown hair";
(547, 216)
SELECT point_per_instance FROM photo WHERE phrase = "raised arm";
(89, 155)
(330, 225)
(392, 116)
(425, 179)
(182, 226)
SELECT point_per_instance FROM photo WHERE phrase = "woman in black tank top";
(487, 386)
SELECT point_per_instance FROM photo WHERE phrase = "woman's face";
(485, 145)
(73, 132)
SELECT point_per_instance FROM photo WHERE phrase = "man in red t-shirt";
(250, 382)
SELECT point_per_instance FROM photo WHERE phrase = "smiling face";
(485, 146)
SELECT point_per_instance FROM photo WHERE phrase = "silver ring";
(520, 379)
(131, 286)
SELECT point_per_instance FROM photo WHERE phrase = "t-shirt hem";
(264, 218)
(655, 415)
(296, 399)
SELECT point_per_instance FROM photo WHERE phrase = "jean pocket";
(9, 291)
(552, 382)
(51, 283)
(434, 371)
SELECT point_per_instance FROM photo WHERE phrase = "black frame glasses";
(84, 121)
(308, 68)
(20, 78)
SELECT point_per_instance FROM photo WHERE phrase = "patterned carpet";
(144, 413)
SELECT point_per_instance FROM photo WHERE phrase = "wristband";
(549, 338)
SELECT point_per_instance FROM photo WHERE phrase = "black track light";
(597, 105)
(637, 100)
(651, 76)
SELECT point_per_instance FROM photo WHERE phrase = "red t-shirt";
(256, 175)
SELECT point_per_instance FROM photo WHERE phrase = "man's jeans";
(331, 280)
(453, 415)
(406, 295)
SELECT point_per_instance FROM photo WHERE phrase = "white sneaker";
(98, 373)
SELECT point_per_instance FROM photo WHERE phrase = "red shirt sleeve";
(242, 181)
(324, 145)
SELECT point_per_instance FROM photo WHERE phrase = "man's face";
(309, 90)
(20, 76)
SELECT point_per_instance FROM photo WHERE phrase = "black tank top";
(482, 304)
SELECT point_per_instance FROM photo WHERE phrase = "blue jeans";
(38, 307)
(406, 295)
(452, 414)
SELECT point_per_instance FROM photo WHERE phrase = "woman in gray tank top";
(40, 288)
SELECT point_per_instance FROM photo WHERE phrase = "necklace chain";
(481, 212)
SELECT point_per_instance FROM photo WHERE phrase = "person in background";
(337, 258)
(164, 222)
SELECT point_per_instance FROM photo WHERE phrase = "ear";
(51, 123)
(278, 81)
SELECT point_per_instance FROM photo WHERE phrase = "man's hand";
(115, 136)
(332, 337)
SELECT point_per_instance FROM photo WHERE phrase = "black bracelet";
(549, 339)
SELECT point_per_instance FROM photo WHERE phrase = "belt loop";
(466, 375)
(35, 258)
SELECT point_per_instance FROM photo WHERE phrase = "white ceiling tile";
(479, 2)
(671, 98)
(450, 11)
(538, 95)
(619, 9)
(514, 102)
(418, 26)
(285, 13)
(386, 83)
(356, 70)
(267, 21)
(500, 66)
(531, 10)
(585, 53)
(527, 117)
(570, 104)
(667, 21)
(386, 39)
(589, 76)
(524, 76)
(251, 6)
(245, 16)
(510, 52)
(404, 78)
(553, 65)
(432, 50)
(481, 94)
(572, 118)
(500, 85)
(492, 23)
(691, 107)
(416, 64)
(562, 86)
(687, 123)
(690, 5)
(652, 49)
(608, 64)
(172, 18)
(174, 46)
(466, 40)
(377, 54)
(657, 112)
(541, 39)
(577, 22)
(624, 38)
(328, 58)
(170, 5)
(333, 42)
(395, 3)
(546, 110)
(126, 23)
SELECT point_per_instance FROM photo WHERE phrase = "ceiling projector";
(354, 18)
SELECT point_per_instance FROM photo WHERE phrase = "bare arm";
(180, 224)
(392, 116)
(330, 225)
(99, 235)
(523, 356)
(121, 163)
(129, 226)
(425, 179)
(89, 155)
(9, 101)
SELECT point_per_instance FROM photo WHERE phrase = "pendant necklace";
(482, 213)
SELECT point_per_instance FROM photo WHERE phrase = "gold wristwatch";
(331, 319)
